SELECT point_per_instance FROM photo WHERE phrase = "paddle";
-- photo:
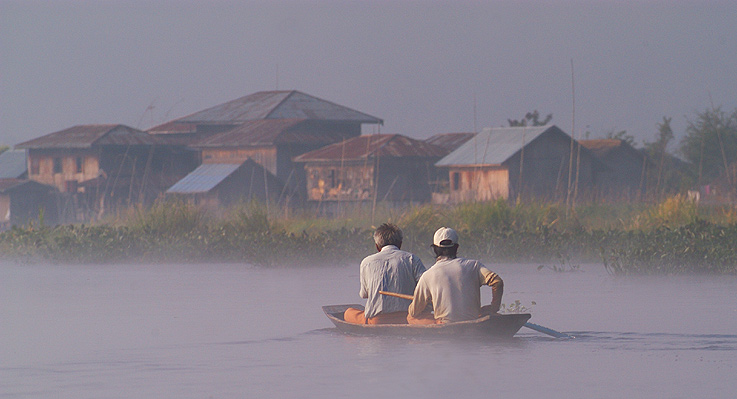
(536, 327)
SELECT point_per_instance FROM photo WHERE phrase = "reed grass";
(671, 237)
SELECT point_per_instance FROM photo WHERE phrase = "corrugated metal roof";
(493, 146)
(203, 179)
(371, 146)
(450, 141)
(13, 164)
(86, 136)
(276, 105)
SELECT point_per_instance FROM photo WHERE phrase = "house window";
(57, 165)
(80, 165)
(35, 166)
(456, 180)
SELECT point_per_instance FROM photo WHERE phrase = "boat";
(497, 325)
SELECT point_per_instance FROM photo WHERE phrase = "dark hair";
(388, 234)
(450, 252)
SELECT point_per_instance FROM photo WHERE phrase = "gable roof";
(13, 164)
(494, 146)
(372, 146)
(276, 105)
(87, 136)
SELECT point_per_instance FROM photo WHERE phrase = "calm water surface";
(234, 331)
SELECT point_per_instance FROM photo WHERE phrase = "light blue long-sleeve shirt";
(393, 270)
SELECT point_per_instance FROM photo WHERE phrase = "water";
(234, 331)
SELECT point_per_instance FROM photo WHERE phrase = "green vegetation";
(674, 236)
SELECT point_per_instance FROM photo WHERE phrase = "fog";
(423, 67)
(231, 330)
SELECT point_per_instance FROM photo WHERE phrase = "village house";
(625, 176)
(99, 168)
(518, 162)
(380, 167)
(270, 128)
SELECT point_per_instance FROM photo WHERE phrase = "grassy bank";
(672, 237)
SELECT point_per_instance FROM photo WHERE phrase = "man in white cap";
(390, 269)
(452, 285)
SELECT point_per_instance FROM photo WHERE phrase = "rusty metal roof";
(450, 141)
(493, 146)
(276, 105)
(13, 164)
(268, 132)
(87, 136)
(372, 146)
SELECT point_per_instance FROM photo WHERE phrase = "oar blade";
(547, 331)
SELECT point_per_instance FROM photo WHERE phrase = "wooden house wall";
(398, 180)
(404, 179)
(336, 182)
(544, 171)
(482, 183)
(41, 166)
(623, 179)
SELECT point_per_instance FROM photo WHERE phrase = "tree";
(621, 135)
(530, 119)
(710, 144)
(669, 175)
(3, 148)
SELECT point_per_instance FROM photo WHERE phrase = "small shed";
(518, 162)
(23, 201)
(383, 167)
(221, 185)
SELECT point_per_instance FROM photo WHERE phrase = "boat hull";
(499, 325)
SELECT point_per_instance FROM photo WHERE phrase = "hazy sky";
(418, 65)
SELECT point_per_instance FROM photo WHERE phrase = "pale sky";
(418, 65)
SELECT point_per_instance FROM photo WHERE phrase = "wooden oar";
(403, 296)
(536, 327)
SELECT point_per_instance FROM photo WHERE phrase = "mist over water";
(222, 330)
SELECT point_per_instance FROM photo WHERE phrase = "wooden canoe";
(500, 325)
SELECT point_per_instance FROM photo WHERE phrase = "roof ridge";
(291, 93)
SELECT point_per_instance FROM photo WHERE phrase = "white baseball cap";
(445, 237)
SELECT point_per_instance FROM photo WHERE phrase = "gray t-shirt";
(391, 270)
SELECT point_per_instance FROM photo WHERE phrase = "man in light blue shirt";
(391, 269)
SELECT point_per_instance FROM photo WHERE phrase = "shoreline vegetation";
(675, 236)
